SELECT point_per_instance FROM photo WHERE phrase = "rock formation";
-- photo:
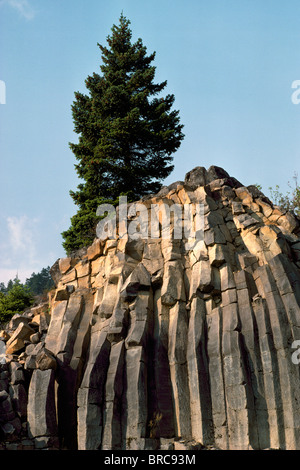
(164, 343)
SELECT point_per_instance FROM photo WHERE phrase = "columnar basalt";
(166, 343)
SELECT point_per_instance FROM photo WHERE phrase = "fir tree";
(3, 289)
(16, 300)
(41, 282)
(127, 133)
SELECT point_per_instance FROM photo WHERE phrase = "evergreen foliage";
(127, 133)
(3, 289)
(16, 297)
(15, 300)
(40, 282)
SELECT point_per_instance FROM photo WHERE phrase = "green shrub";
(17, 299)
(289, 201)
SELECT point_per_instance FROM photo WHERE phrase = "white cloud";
(26, 246)
(22, 6)
(18, 250)
(21, 235)
(23, 274)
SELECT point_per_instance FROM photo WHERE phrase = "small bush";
(289, 201)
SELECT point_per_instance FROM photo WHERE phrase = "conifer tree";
(41, 282)
(16, 299)
(127, 133)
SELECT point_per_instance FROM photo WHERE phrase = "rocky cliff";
(162, 343)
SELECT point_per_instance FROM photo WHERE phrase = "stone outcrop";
(165, 343)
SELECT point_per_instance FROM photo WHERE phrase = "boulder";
(45, 360)
(22, 333)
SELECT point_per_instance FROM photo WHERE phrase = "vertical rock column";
(137, 293)
(254, 384)
(178, 332)
(241, 421)
(173, 298)
(270, 375)
(112, 415)
(216, 376)
(67, 339)
(90, 396)
(283, 325)
(161, 368)
(41, 411)
(197, 363)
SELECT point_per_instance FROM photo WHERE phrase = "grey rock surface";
(166, 343)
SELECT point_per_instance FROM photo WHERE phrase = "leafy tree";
(3, 289)
(289, 201)
(17, 299)
(127, 133)
(40, 282)
(11, 283)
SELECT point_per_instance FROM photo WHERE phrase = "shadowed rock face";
(163, 343)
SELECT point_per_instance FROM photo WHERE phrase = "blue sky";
(229, 63)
